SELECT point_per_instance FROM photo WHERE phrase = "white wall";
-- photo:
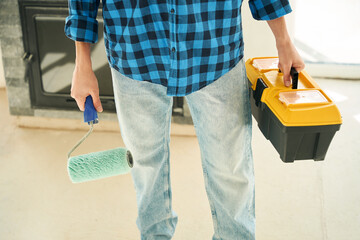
(2, 77)
(258, 38)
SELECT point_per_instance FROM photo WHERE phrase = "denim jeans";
(222, 119)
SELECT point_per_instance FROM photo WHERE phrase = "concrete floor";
(305, 200)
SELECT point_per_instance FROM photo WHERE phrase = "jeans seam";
(216, 226)
(167, 194)
(203, 163)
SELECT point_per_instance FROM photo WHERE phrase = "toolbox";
(301, 120)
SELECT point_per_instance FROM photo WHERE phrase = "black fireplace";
(50, 57)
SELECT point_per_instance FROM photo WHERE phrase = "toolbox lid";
(266, 63)
(297, 97)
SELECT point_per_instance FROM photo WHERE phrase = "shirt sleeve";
(81, 24)
(269, 9)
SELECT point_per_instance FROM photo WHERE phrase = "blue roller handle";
(90, 114)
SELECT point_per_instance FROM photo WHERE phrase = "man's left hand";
(288, 57)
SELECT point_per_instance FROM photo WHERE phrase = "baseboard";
(77, 124)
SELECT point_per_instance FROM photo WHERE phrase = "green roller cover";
(96, 165)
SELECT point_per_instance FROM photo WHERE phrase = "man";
(158, 49)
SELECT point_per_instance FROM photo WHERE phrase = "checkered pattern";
(268, 10)
(183, 45)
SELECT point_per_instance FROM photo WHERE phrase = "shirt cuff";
(269, 9)
(81, 28)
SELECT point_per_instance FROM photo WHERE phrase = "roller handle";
(294, 77)
(90, 114)
(91, 117)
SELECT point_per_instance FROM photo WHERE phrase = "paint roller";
(97, 165)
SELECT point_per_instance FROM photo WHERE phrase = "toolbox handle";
(294, 77)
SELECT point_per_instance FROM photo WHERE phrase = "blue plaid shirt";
(183, 45)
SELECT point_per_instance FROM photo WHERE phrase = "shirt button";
(172, 10)
(173, 49)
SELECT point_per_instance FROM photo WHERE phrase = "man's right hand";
(85, 83)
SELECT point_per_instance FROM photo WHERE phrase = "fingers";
(80, 101)
(96, 101)
(285, 69)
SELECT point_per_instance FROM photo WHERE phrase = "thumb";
(287, 79)
(97, 102)
(286, 76)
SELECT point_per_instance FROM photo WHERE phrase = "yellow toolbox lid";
(307, 105)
